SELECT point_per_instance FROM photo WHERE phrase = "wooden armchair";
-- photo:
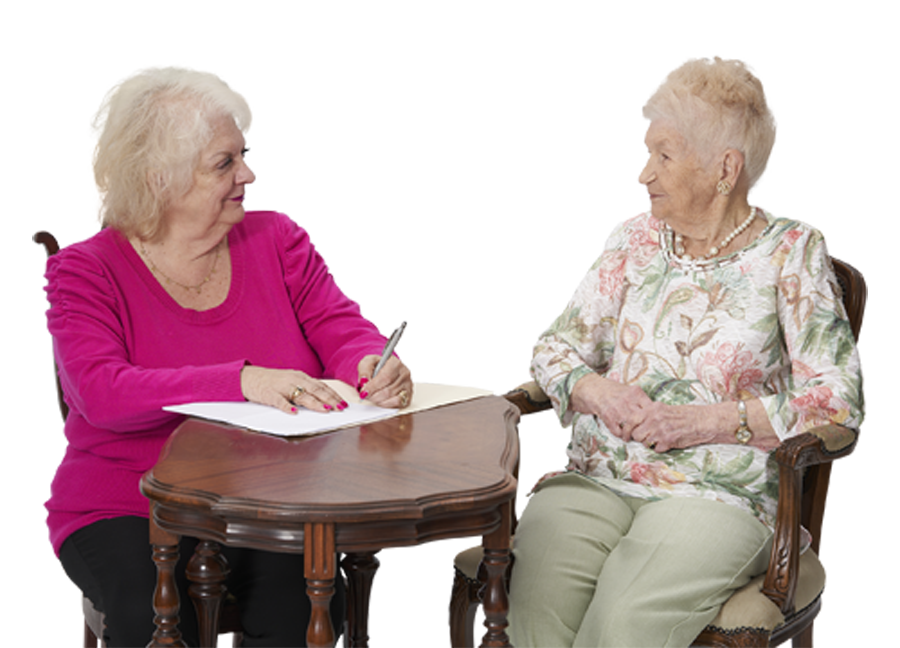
(779, 605)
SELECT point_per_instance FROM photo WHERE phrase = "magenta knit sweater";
(125, 349)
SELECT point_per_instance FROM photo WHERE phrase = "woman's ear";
(156, 183)
(731, 167)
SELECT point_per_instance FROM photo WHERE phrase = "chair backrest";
(53, 244)
(854, 293)
(48, 241)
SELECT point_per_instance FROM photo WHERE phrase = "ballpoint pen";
(389, 348)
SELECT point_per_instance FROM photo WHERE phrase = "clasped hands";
(287, 389)
(630, 415)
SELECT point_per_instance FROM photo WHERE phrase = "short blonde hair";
(153, 127)
(718, 104)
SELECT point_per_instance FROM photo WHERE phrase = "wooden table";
(441, 473)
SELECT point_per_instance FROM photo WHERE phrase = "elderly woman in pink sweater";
(183, 297)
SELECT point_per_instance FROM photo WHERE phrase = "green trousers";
(596, 569)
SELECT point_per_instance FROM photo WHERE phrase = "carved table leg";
(360, 569)
(319, 569)
(207, 571)
(165, 598)
(495, 600)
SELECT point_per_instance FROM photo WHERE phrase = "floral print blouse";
(766, 322)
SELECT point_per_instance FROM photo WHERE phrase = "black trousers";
(111, 562)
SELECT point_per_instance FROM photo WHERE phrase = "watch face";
(743, 435)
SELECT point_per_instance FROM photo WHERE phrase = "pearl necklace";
(197, 288)
(714, 250)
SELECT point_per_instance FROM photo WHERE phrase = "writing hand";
(392, 387)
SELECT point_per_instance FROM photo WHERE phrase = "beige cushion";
(467, 562)
(93, 618)
(750, 608)
(747, 608)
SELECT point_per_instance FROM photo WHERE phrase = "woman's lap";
(111, 562)
(596, 569)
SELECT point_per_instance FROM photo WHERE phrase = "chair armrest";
(530, 399)
(535, 410)
(817, 447)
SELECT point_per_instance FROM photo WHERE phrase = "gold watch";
(743, 433)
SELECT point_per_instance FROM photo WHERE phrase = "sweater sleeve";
(88, 323)
(825, 382)
(331, 322)
(582, 339)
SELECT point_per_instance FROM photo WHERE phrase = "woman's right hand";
(287, 389)
(620, 407)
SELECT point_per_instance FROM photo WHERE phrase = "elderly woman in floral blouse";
(707, 331)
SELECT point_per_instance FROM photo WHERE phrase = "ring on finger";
(404, 398)
(297, 393)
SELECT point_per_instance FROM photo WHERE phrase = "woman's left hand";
(392, 387)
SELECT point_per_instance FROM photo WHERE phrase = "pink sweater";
(125, 349)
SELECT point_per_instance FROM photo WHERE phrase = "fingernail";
(363, 394)
(362, 383)
(327, 406)
(293, 410)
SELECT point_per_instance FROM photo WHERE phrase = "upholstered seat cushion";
(93, 622)
(750, 608)
(747, 608)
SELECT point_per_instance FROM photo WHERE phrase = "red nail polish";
(363, 394)
(293, 410)
(327, 406)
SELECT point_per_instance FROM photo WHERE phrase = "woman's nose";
(244, 175)
(647, 174)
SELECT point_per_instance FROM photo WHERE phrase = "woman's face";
(215, 201)
(681, 189)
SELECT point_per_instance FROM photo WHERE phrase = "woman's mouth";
(238, 199)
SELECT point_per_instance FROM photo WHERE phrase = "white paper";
(262, 418)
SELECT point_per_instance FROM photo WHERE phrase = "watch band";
(743, 433)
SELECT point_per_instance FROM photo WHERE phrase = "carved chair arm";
(534, 405)
(815, 448)
(529, 398)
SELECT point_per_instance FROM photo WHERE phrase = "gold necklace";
(199, 287)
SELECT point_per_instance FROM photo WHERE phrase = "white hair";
(716, 105)
(153, 127)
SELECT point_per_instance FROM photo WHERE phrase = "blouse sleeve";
(98, 377)
(582, 339)
(825, 381)
(331, 322)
